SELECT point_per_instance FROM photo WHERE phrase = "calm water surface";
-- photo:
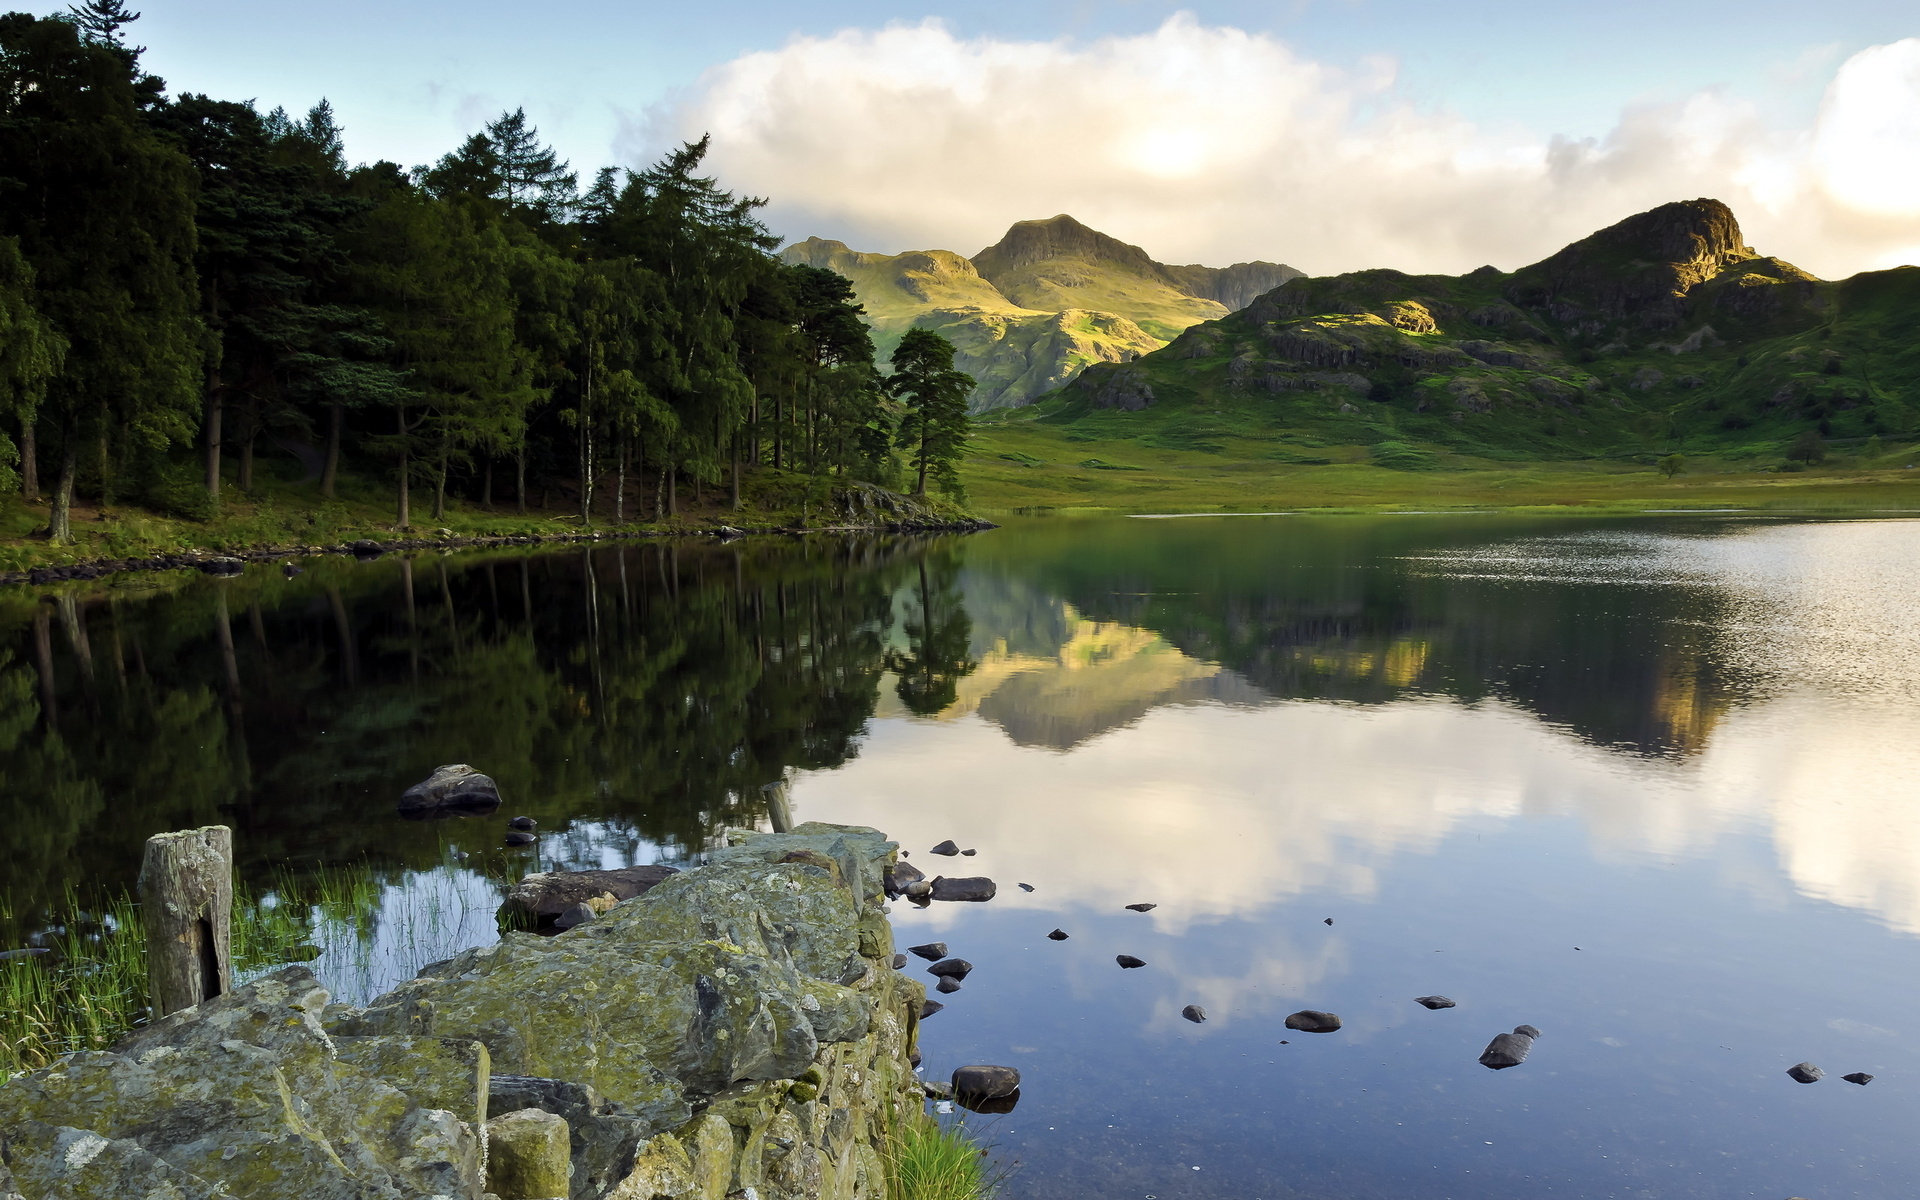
(1652, 786)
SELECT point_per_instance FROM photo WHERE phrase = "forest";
(187, 284)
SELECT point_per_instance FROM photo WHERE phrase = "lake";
(1650, 785)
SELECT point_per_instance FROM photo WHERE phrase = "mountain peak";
(1058, 237)
(1640, 268)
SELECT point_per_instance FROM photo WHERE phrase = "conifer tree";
(933, 429)
(30, 355)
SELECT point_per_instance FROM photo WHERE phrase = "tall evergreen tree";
(933, 429)
(30, 355)
(102, 21)
(103, 209)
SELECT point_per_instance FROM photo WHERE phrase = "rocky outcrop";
(738, 1026)
(538, 901)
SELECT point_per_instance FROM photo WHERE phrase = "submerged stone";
(947, 985)
(1506, 1050)
(975, 888)
(1859, 1077)
(1312, 1020)
(1433, 1002)
(1194, 1013)
(1128, 961)
(985, 1082)
(455, 788)
(1806, 1072)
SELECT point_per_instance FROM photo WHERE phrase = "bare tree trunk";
(735, 499)
(329, 474)
(673, 492)
(244, 479)
(186, 898)
(106, 468)
(29, 460)
(486, 484)
(43, 659)
(440, 486)
(660, 495)
(520, 481)
(406, 514)
(60, 521)
(216, 411)
(620, 487)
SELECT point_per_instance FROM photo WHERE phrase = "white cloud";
(1211, 144)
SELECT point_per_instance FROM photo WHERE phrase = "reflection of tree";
(653, 689)
(938, 631)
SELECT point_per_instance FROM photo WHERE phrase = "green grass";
(930, 1161)
(1034, 464)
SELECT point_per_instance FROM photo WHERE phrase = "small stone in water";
(1433, 1001)
(520, 837)
(1526, 1031)
(951, 968)
(524, 823)
(1026, 887)
(1329, 920)
(929, 1008)
(919, 889)
(1142, 907)
(1312, 1020)
(947, 848)
(1859, 1077)
(969, 853)
(899, 961)
(932, 951)
(985, 1082)
(1129, 961)
(1058, 935)
(975, 888)
(947, 984)
(1506, 1050)
(1806, 1073)
(1194, 1013)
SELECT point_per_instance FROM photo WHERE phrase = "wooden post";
(186, 900)
(779, 810)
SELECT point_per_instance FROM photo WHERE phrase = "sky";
(1328, 134)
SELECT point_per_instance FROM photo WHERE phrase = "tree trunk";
(186, 900)
(60, 521)
(520, 481)
(673, 492)
(29, 460)
(106, 467)
(330, 474)
(735, 497)
(406, 514)
(440, 486)
(920, 488)
(486, 484)
(216, 410)
(620, 487)
(244, 478)
(660, 495)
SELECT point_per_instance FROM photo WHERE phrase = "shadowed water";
(1648, 785)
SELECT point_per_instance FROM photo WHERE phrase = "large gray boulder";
(538, 901)
(245, 1093)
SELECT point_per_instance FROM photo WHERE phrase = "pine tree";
(102, 21)
(933, 428)
(30, 355)
(104, 213)
(532, 176)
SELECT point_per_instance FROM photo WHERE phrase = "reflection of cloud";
(1216, 812)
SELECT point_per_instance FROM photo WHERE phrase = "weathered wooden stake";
(186, 899)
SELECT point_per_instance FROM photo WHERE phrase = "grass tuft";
(931, 1161)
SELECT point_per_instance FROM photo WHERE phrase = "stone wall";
(738, 1031)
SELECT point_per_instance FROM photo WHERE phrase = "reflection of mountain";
(1099, 677)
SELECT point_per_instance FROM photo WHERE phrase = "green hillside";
(1028, 313)
(1664, 333)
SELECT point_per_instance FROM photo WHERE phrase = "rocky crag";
(1664, 330)
(736, 1031)
(1029, 312)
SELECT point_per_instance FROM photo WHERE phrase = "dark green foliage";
(933, 427)
(1807, 448)
(187, 269)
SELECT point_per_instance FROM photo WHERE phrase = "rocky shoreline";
(739, 1030)
(233, 562)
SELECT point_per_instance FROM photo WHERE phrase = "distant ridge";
(1028, 313)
